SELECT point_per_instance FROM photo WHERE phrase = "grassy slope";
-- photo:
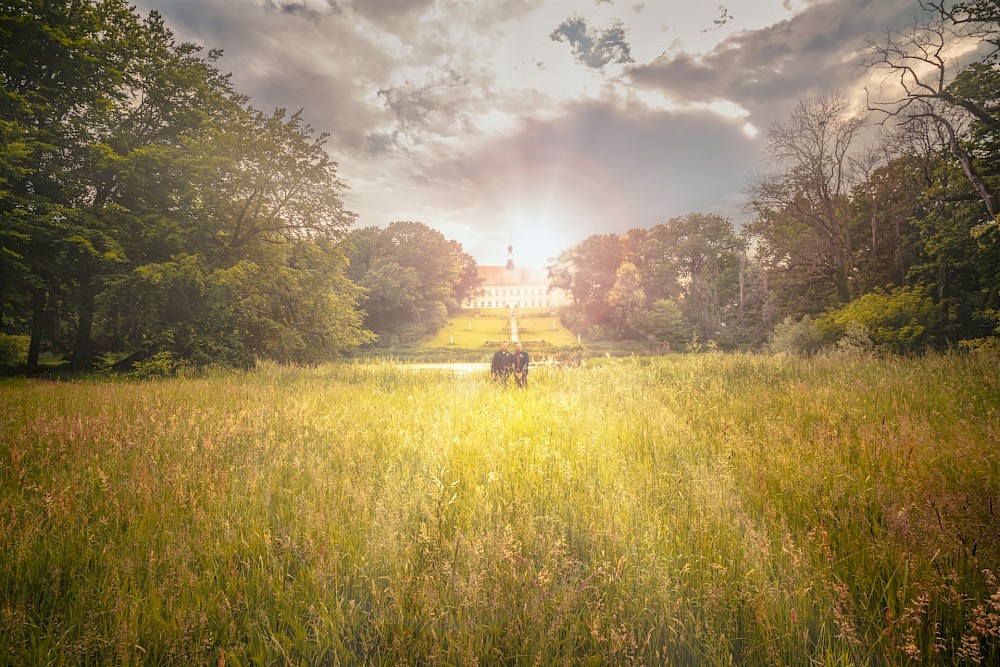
(470, 332)
(691, 509)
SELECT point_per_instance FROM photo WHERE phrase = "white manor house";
(512, 286)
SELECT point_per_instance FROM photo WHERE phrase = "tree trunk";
(127, 363)
(768, 307)
(37, 327)
(873, 221)
(848, 263)
(742, 276)
(699, 291)
(839, 252)
(81, 348)
(900, 255)
(977, 181)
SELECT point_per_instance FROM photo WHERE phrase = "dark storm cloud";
(594, 48)
(767, 71)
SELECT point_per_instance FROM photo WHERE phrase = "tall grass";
(704, 509)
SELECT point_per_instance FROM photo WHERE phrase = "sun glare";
(537, 240)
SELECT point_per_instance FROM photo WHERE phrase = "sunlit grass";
(688, 509)
(469, 331)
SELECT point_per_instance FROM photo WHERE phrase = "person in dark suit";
(519, 366)
(502, 362)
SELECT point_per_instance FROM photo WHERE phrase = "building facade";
(515, 286)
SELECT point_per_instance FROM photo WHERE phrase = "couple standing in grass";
(507, 363)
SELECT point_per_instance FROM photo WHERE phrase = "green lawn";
(471, 332)
(707, 509)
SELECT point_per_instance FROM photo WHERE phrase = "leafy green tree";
(884, 205)
(16, 279)
(596, 260)
(468, 275)
(274, 181)
(148, 201)
(588, 271)
(696, 262)
(627, 299)
(412, 277)
(651, 250)
(13, 350)
(807, 194)
(949, 250)
(953, 265)
(300, 309)
(958, 110)
(158, 307)
(97, 97)
(705, 251)
(270, 281)
(54, 70)
(392, 299)
(664, 321)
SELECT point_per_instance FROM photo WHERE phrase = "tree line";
(149, 211)
(892, 243)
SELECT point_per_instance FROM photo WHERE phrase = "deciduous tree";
(412, 276)
(919, 76)
(627, 299)
(807, 192)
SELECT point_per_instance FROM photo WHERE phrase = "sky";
(539, 122)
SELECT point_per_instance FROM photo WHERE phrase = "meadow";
(689, 509)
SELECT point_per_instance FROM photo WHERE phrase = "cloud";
(767, 71)
(311, 10)
(416, 105)
(392, 16)
(594, 48)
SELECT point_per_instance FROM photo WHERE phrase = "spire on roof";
(510, 253)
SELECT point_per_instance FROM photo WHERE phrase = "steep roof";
(519, 275)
